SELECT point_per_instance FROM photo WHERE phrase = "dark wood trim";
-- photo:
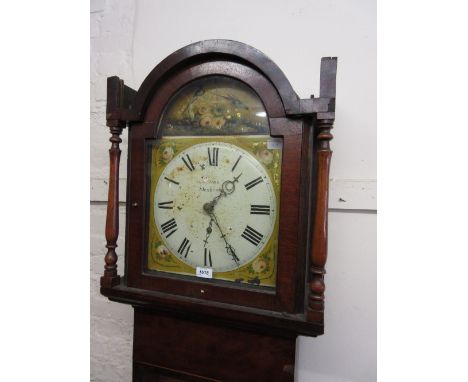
(247, 318)
(120, 98)
(147, 372)
(319, 234)
(209, 50)
(328, 68)
(132, 104)
(311, 106)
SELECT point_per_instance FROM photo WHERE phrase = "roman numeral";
(213, 157)
(208, 258)
(166, 205)
(170, 225)
(184, 246)
(251, 235)
(235, 164)
(170, 180)
(188, 163)
(253, 183)
(259, 209)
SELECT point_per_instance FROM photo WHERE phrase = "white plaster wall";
(128, 38)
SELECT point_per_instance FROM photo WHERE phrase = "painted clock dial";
(214, 185)
(215, 206)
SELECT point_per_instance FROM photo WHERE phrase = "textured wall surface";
(111, 324)
(128, 38)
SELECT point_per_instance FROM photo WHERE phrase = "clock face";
(214, 186)
(215, 206)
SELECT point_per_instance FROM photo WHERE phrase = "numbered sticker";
(207, 273)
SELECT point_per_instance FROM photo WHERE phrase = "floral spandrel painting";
(215, 106)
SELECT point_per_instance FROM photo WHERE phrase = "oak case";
(274, 318)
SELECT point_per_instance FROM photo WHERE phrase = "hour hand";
(209, 229)
(230, 251)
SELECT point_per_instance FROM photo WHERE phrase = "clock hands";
(209, 229)
(230, 251)
(227, 188)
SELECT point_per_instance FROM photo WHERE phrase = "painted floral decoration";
(265, 156)
(167, 153)
(161, 252)
(259, 265)
(215, 107)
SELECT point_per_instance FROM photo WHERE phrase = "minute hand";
(228, 187)
(230, 251)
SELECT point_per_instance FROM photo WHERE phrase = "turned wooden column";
(319, 234)
(110, 277)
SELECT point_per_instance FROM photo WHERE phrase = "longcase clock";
(226, 214)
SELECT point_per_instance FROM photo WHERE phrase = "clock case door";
(284, 297)
(288, 307)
